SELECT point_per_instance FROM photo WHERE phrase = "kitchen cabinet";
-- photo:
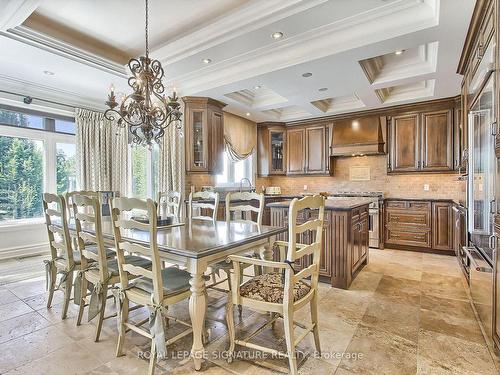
(404, 146)
(415, 224)
(421, 142)
(306, 150)
(271, 149)
(442, 226)
(437, 141)
(316, 158)
(204, 135)
(296, 149)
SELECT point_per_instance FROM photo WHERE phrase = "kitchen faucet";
(249, 184)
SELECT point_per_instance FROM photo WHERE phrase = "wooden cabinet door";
(315, 150)
(442, 226)
(217, 142)
(364, 237)
(404, 144)
(295, 146)
(437, 141)
(197, 140)
(356, 244)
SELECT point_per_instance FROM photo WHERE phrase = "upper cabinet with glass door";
(271, 149)
(204, 134)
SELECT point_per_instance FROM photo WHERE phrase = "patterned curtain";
(101, 152)
(171, 163)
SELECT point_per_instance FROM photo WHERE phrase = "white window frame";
(250, 172)
(50, 140)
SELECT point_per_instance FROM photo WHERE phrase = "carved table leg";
(197, 309)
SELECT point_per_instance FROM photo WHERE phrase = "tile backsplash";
(442, 185)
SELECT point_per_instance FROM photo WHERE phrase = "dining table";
(196, 244)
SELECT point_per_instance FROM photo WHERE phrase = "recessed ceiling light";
(248, 113)
(48, 72)
(323, 89)
(306, 75)
(256, 87)
(277, 35)
(207, 61)
(399, 52)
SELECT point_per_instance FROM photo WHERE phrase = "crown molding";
(388, 21)
(249, 17)
(36, 39)
(15, 12)
(64, 97)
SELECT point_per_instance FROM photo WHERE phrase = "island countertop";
(334, 203)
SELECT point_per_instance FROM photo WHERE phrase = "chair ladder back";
(59, 237)
(87, 216)
(213, 205)
(245, 207)
(297, 250)
(170, 202)
(121, 207)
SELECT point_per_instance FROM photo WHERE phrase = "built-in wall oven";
(481, 201)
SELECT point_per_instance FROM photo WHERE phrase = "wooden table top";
(198, 238)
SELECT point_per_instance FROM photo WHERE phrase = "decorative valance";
(240, 136)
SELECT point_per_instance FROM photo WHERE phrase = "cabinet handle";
(492, 242)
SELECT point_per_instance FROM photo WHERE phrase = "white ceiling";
(86, 42)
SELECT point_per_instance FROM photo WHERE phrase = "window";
(37, 120)
(143, 171)
(21, 178)
(65, 167)
(233, 173)
(32, 161)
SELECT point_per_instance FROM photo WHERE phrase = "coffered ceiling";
(224, 49)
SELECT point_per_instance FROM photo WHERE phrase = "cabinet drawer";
(395, 204)
(426, 206)
(405, 217)
(410, 238)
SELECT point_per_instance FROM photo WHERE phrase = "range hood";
(358, 137)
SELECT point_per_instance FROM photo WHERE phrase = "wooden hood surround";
(359, 136)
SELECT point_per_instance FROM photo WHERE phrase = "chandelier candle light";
(147, 111)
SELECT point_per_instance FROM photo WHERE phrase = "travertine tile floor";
(406, 313)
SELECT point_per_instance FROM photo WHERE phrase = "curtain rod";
(49, 101)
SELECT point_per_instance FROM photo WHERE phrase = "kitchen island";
(344, 248)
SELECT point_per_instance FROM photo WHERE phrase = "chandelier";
(147, 111)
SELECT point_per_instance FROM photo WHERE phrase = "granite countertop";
(422, 199)
(334, 203)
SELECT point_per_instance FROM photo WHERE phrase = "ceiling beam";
(15, 12)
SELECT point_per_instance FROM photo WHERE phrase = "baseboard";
(24, 251)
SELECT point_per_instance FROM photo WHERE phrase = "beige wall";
(397, 186)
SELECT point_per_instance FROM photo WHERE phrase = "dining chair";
(169, 202)
(63, 260)
(155, 288)
(203, 200)
(285, 291)
(239, 203)
(70, 217)
(96, 266)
